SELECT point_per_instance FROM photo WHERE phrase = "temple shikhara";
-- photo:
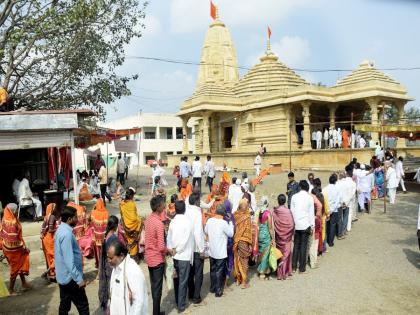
(272, 104)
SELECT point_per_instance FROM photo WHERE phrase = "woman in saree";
(284, 227)
(49, 226)
(186, 189)
(230, 259)
(131, 223)
(379, 181)
(105, 269)
(224, 184)
(265, 239)
(14, 247)
(84, 194)
(99, 217)
(242, 243)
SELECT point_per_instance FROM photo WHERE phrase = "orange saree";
(14, 247)
(242, 244)
(99, 217)
(47, 236)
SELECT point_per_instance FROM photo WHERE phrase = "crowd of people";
(336, 138)
(228, 226)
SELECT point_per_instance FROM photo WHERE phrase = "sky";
(306, 34)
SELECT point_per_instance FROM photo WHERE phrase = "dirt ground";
(376, 269)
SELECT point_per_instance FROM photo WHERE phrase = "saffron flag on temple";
(212, 10)
(269, 32)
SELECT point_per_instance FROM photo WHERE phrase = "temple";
(272, 104)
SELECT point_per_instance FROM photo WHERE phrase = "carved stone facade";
(272, 104)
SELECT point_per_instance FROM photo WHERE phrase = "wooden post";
(383, 141)
(73, 167)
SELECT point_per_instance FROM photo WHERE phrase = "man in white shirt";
(350, 189)
(180, 243)
(195, 280)
(381, 155)
(235, 195)
(197, 170)
(218, 231)
(184, 168)
(347, 189)
(365, 182)
(332, 196)
(257, 164)
(362, 142)
(399, 169)
(339, 137)
(330, 136)
(128, 293)
(210, 172)
(120, 169)
(377, 149)
(353, 140)
(392, 181)
(26, 197)
(313, 139)
(103, 183)
(318, 139)
(302, 207)
(335, 138)
(15, 189)
(326, 136)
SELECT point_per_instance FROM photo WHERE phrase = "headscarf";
(225, 177)
(12, 207)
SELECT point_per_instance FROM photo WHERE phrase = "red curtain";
(63, 163)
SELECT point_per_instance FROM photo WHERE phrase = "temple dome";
(218, 61)
(211, 89)
(364, 73)
(268, 75)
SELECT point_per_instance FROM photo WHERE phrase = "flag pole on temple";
(269, 37)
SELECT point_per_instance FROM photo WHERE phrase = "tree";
(57, 54)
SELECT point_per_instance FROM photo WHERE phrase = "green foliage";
(64, 53)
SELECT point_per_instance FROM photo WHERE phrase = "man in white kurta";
(326, 136)
(257, 164)
(128, 292)
(26, 197)
(318, 139)
(235, 195)
(335, 138)
(339, 137)
(399, 169)
(391, 181)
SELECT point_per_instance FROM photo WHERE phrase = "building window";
(168, 133)
(189, 133)
(150, 135)
(178, 152)
(179, 133)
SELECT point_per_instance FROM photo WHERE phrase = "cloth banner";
(128, 146)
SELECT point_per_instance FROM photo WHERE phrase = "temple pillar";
(373, 103)
(401, 142)
(307, 127)
(332, 108)
(184, 135)
(206, 138)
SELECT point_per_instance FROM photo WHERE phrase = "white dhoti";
(318, 144)
(37, 205)
(257, 170)
(392, 192)
(402, 184)
(363, 197)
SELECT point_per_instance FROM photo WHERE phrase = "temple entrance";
(227, 137)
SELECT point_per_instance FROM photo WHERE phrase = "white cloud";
(187, 16)
(293, 51)
(153, 26)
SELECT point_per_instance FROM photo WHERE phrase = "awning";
(408, 131)
(85, 138)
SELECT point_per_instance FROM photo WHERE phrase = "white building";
(161, 135)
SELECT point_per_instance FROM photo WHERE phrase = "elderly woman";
(242, 243)
(14, 247)
(265, 239)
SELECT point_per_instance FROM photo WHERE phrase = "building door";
(227, 136)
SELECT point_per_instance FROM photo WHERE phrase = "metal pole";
(290, 147)
(107, 159)
(73, 167)
(351, 136)
(383, 141)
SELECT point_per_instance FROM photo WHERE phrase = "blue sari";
(379, 181)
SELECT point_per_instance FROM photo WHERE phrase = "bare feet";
(245, 286)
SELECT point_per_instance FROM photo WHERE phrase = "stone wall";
(313, 159)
